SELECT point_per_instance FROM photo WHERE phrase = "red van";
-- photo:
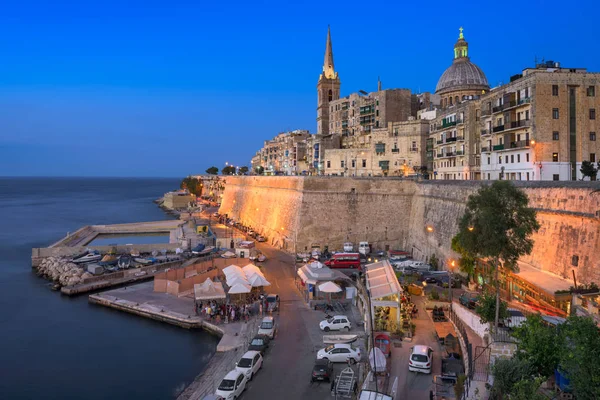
(344, 260)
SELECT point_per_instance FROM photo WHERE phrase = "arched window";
(330, 94)
(456, 100)
(450, 101)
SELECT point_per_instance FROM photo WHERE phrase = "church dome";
(462, 74)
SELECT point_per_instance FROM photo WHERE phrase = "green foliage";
(260, 170)
(192, 185)
(508, 372)
(466, 262)
(459, 387)
(579, 356)
(243, 170)
(588, 169)
(212, 171)
(435, 263)
(486, 308)
(538, 344)
(228, 170)
(434, 295)
(527, 389)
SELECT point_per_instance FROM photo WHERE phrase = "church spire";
(461, 48)
(328, 68)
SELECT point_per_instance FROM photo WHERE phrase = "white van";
(420, 265)
(364, 248)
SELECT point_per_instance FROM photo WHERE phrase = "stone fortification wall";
(396, 213)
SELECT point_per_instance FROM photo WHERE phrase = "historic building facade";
(328, 88)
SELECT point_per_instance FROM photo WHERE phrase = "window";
(591, 91)
(342, 164)
(592, 136)
(353, 163)
(518, 158)
(555, 113)
(377, 113)
(500, 160)
(527, 115)
(554, 157)
(554, 90)
(328, 164)
(489, 160)
(506, 159)
(364, 163)
(554, 135)
(527, 157)
(555, 177)
(380, 148)
(512, 159)
(592, 157)
(527, 175)
(592, 113)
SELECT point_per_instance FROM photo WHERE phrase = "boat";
(339, 339)
(124, 261)
(134, 253)
(108, 259)
(141, 273)
(89, 257)
(145, 260)
(198, 249)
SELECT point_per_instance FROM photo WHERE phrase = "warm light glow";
(369, 259)
(532, 142)
(471, 228)
(453, 263)
(257, 209)
(282, 228)
(234, 201)
(376, 260)
(429, 228)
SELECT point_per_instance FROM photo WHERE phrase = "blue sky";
(156, 88)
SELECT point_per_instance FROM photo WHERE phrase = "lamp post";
(371, 322)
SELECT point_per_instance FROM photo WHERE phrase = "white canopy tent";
(240, 288)
(330, 287)
(251, 269)
(257, 280)
(209, 290)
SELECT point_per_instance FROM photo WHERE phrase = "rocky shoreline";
(62, 271)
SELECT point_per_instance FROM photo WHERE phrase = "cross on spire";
(460, 36)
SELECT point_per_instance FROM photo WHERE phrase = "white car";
(335, 323)
(420, 360)
(267, 327)
(250, 363)
(232, 386)
(339, 353)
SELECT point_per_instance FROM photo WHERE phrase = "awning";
(381, 280)
(209, 290)
(306, 279)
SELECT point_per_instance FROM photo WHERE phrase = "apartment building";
(285, 154)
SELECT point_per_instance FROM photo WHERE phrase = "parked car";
(420, 360)
(339, 353)
(259, 343)
(322, 371)
(267, 327)
(364, 248)
(335, 323)
(250, 363)
(469, 300)
(232, 386)
(272, 302)
(430, 279)
(514, 320)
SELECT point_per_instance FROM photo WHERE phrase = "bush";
(434, 295)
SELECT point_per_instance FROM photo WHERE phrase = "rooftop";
(544, 280)
(381, 280)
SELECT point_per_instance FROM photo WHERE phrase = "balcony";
(499, 128)
(498, 109)
(498, 147)
(395, 150)
(485, 132)
(526, 100)
(448, 124)
(519, 144)
(485, 149)
(520, 124)
(460, 138)
(440, 155)
(460, 153)
(459, 121)
(439, 141)
(450, 154)
(413, 150)
(485, 113)
(450, 139)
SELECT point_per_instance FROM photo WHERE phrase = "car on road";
(339, 353)
(259, 343)
(272, 302)
(261, 238)
(335, 323)
(420, 359)
(267, 327)
(430, 279)
(469, 300)
(322, 371)
(232, 386)
(250, 363)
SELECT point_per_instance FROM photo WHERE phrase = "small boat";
(198, 249)
(134, 253)
(124, 261)
(339, 339)
(111, 268)
(89, 257)
(207, 250)
(108, 259)
(145, 260)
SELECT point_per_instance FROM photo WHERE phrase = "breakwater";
(296, 213)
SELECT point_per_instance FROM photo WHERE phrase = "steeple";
(461, 48)
(328, 68)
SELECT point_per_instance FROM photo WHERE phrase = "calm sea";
(56, 347)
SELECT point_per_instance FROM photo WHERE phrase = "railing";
(395, 150)
(518, 144)
(485, 149)
(450, 139)
(440, 155)
(524, 101)
(460, 152)
(485, 132)
(439, 141)
(459, 121)
(448, 123)
(460, 138)
(413, 149)
(485, 113)
(449, 154)
(498, 147)
(518, 124)
(498, 109)
(498, 128)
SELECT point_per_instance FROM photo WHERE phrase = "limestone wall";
(396, 213)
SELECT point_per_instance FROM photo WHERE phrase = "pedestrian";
(233, 314)
(260, 309)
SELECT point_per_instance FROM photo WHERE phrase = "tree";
(434, 262)
(508, 372)
(466, 263)
(497, 226)
(486, 308)
(579, 356)
(192, 185)
(228, 170)
(243, 170)
(212, 171)
(588, 169)
(260, 170)
(538, 344)
(527, 389)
